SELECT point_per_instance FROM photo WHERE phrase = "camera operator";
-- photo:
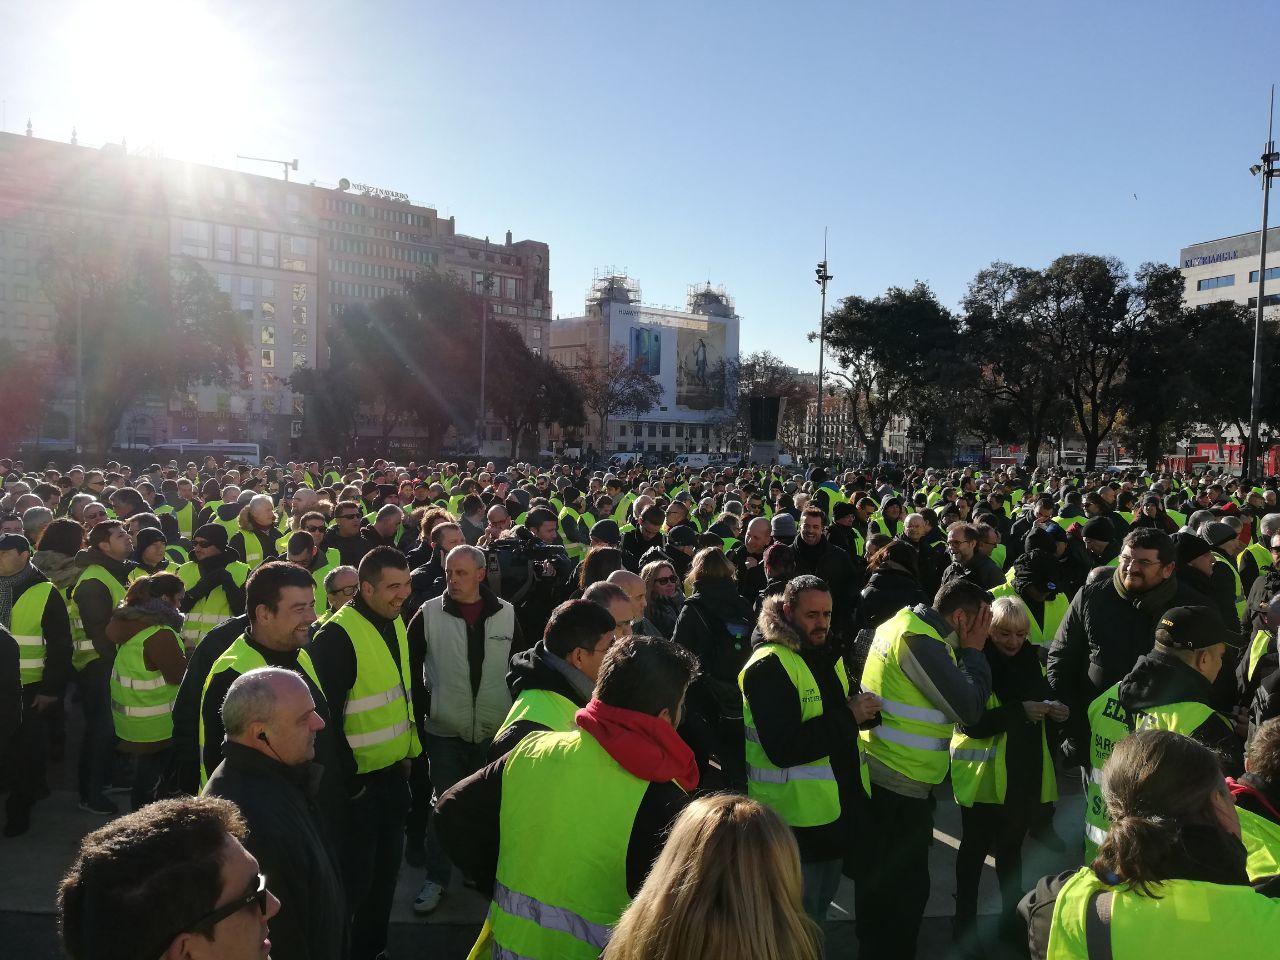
(531, 569)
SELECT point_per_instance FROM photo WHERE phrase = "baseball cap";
(1194, 628)
(15, 541)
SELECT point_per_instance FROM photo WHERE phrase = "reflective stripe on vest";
(377, 720)
(27, 626)
(913, 742)
(979, 770)
(211, 610)
(141, 700)
(546, 906)
(1258, 649)
(83, 652)
(804, 795)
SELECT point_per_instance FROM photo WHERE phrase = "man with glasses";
(340, 585)
(968, 562)
(345, 535)
(553, 679)
(1110, 624)
(170, 880)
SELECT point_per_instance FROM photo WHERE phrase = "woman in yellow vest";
(1001, 770)
(1170, 878)
(255, 540)
(149, 664)
(1257, 797)
(726, 887)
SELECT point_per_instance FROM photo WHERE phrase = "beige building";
(1227, 269)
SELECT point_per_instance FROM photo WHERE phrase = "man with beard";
(817, 556)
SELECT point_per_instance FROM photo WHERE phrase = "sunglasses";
(347, 516)
(201, 543)
(256, 895)
(666, 580)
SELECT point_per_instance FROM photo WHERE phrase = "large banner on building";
(700, 367)
(646, 350)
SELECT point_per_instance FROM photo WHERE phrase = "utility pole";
(1268, 170)
(482, 422)
(822, 277)
(286, 164)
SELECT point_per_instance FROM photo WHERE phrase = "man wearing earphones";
(267, 770)
(280, 603)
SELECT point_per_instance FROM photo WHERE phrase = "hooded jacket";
(715, 624)
(533, 669)
(889, 589)
(1159, 679)
(93, 599)
(162, 651)
(789, 741)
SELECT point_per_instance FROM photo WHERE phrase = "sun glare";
(165, 74)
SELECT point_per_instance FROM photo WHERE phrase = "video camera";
(516, 565)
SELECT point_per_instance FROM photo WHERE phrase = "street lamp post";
(484, 350)
(1267, 168)
(822, 277)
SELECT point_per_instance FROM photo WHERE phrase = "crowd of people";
(648, 713)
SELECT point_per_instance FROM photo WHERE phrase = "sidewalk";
(34, 863)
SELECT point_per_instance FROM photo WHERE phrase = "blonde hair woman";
(726, 887)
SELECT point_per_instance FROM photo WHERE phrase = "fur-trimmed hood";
(772, 627)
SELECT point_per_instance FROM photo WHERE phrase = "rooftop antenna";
(286, 164)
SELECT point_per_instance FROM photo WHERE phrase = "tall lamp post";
(1267, 168)
(482, 425)
(822, 277)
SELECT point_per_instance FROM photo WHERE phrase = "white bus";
(249, 453)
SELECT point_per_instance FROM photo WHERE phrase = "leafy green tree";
(889, 351)
(524, 390)
(149, 326)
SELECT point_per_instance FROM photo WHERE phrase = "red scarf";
(645, 746)
(1237, 788)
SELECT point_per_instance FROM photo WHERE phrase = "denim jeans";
(450, 759)
(97, 747)
(821, 880)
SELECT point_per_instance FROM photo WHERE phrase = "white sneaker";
(428, 898)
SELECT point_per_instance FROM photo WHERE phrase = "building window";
(510, 287)
(1273, 273)
(290, 264)
(195, 239)
(537, 332)
(298, 246)
(299, 313)
(300, 338)
(224, 240)
(267, 245)
(21, 294)
(246, 309)
(248, 249)
(268, 358)
(268, 335)
(653, 432)
(268, 287)
(246, 286)
(666, 432)
(1270, 300)
(622, 429)
(299, 359)
(1211, 283)
(268, 310)
(299, 293)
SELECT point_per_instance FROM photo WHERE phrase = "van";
(249, 453)
(695, 460)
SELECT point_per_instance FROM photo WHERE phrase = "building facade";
(691, 353)
(1227, 269)
(291, 257)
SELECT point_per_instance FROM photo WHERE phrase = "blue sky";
(705, 141)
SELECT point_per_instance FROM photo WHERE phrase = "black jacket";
(1014, 680)
(833, 566)
(334, 658)
(214, 575)
(427, 583)
(715, 624)
(1100, 639)
(887, 592)
(351, 550)
(751, 577)
(287, 837)
(1159, 679)
(634, 543)
(10, 687)
(789, 741)
(531, 671)
(982, 571)
(238, 544)
(186, 706)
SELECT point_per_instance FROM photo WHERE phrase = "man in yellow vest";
(97, 593)
(35, 613)
(554, 678)
(802, 732)
(1257, 796)
(561, 873)
(301, 551)
(361, 657)
(927, 667)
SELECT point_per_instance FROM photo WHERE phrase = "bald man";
(633, 585)
(748, 558)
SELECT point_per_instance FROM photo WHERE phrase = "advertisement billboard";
(700, 367)
(646, 350)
